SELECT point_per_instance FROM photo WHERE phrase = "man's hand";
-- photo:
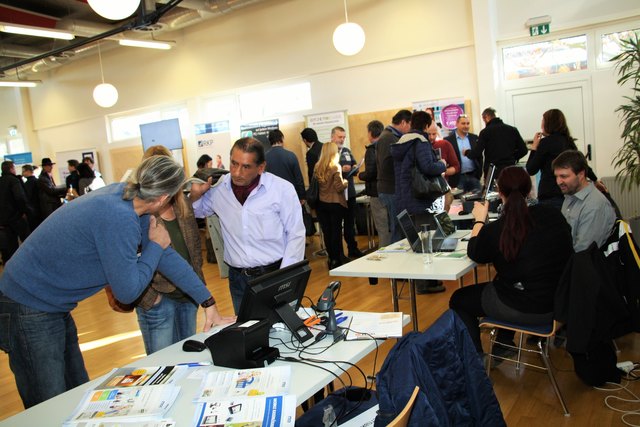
(212, 318)
(197, 190)
(346, 168)
(157, 233)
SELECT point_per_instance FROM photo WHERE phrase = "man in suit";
(468, 178)
(13, 211)
(310, 139)
(49, 194)
(33, 200)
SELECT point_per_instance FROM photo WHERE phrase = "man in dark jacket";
(470, 169)
(13, 211)
(73, 179)
(33, 198)
(49, 194)
(400, 124)
(283, 163)
(501, 144)
(310, 140)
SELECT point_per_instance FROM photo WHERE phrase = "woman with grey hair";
(44, 280)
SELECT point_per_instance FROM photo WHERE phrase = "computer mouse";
(193, 345)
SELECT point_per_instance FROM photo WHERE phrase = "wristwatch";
(208, 302)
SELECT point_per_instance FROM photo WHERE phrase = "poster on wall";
(446, 111)
(259, 131)
(19, 159)
(322, 123)
(214, 139)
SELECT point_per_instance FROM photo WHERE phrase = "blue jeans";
(389, 202)
(43, 349)
(166, 323)
(469, 183)
(238, 283)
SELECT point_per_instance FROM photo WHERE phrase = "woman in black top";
(528, 246)
(553, 140)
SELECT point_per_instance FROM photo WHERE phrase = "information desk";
(407, 265)
(306, 380)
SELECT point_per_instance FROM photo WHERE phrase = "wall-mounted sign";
(539, 30)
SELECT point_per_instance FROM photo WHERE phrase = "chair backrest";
(403, 417)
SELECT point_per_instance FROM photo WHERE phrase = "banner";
(445, 111)
(322, 123)
(260, 131)
(214, 139)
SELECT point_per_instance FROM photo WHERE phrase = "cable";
(611, 400)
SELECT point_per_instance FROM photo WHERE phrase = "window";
(125, 127)
(610, 44)
(545, 58)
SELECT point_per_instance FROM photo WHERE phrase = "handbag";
(426, 187)
(313, 193)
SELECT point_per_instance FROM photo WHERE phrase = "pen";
(341, 319)
(194, 364)
(338, 314)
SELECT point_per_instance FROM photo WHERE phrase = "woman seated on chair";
(528, 246)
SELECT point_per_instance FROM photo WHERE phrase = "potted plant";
(627, 158)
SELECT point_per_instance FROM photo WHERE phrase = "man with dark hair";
(501, 144)
(400, 124)
(13, 211)
(33, 200)
(370, 178)
(260, 217)
(283, 163)
(205, 161)
(468, 178)
(587, 211)
(73, 179)
(89, 160)
(49, 193)
(310, 139)
(347, 162)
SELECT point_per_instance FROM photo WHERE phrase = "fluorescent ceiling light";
(149, 44)
(33, 31)
(19, 83)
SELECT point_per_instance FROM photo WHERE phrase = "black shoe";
(334, 263)
(373, 281)
(424, 289)
(356, 253)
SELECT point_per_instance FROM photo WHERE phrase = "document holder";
(242, 345)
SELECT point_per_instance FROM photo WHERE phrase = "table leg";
(394, 295)
(414, 306)
(475, 274)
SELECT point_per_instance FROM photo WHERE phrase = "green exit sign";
(539, 30)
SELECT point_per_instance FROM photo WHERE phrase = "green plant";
(627, 158)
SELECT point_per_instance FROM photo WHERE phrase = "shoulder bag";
(426, 187)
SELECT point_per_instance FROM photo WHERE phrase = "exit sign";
(539, 30)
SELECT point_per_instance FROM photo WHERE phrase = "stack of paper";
(250, 397)
(130, 395)
(375, 325)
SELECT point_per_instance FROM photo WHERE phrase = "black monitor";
(276, 297)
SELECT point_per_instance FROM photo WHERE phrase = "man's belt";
(257, 271)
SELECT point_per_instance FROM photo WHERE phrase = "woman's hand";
(480, 211)
(212, 318)
(536, 140)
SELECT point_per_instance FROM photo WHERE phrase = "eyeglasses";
(463, 116)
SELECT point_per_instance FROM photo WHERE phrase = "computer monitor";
(164, 132)
(276, 297)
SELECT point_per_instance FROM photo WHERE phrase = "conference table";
(306, 379)
(405, 264)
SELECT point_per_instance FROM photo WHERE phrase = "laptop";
(444, 223)
(440, 244)
(443, 237)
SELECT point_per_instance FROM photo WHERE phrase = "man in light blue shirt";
(586, 209)
(260, 217)
(470, 169)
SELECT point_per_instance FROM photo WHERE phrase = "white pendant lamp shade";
(348, 38)
(105, 95)
(114, 9)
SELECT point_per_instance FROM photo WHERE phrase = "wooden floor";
(111, 339)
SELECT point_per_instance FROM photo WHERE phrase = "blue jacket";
(403, 159)
(442, 361)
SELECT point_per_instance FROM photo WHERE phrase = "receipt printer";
(242, 345)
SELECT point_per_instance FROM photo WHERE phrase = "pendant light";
(348, 38)
(114, 10)
(104, 94)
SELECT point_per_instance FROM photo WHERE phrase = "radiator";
(628, 200)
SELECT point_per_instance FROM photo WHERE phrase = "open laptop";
(445, 226)
(440, 244)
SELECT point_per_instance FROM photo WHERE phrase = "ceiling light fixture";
(114, 9)
(19, 83)
(33, 31)
(348, 38)
(149, 44)
(104, 94)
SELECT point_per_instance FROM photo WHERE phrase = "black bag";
(426, 187)
(309, 226)
(313, 193)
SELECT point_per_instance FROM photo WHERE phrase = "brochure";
(247, 412)
(97, 423)
(143, 376)
(376, 325)
(270, 381)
